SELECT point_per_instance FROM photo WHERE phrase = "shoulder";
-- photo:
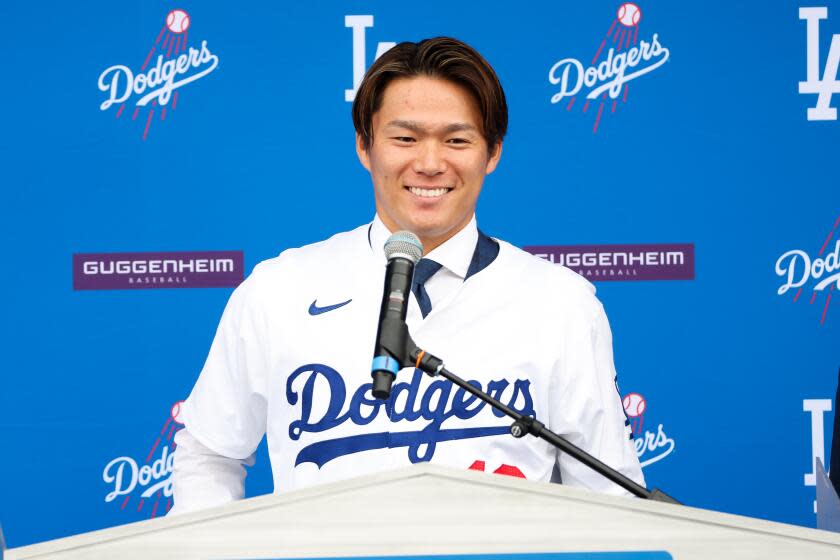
(554, 287)
(535, 272)
(338, 249)
(306, 265)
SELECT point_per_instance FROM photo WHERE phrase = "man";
(291, 358)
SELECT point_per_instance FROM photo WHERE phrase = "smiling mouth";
(427, 192)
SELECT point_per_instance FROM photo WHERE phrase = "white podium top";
(429, 510)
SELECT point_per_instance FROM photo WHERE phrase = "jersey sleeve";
(202, 478)
(226, 410)
(586, 406)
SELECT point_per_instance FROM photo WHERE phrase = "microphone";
(403, 249)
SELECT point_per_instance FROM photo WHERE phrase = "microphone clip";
(396, 348)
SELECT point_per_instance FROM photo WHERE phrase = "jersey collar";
(455, 254)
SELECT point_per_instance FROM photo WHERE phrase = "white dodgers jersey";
(292, 360)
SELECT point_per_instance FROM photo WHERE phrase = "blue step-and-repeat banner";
(682, 156)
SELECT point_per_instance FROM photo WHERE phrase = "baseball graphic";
(175, 412)
(178, 21)
(634, 405)
(629, 14)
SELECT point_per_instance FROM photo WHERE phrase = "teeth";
(428, 193)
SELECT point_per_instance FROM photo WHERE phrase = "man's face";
(428, 158)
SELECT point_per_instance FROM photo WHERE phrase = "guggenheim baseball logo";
(149, 480)
(668, 261)
(131, 271)
(820, 273)
(826, 86)
(621, 58)
(155, 87)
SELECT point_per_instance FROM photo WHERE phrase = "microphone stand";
(398, 342)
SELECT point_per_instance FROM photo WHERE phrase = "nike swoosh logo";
(315, 310)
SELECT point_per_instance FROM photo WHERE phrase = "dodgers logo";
(826, 86)
(148, 480)
(651, 445)
(437, 404)
(797, 268)
(175, 66)
(626, 58)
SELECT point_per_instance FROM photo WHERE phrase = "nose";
(430, 159)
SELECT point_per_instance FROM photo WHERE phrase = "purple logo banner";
(133, 271)
(658, 261)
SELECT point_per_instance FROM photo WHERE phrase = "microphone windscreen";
(404, 244)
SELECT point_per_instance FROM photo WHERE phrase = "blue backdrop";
(712, 146)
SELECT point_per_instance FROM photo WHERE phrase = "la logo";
(358, 24)
(828, 85)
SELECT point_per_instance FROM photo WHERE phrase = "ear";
(364, 157)
(494, 159)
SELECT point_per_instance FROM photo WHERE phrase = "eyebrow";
(414, 126)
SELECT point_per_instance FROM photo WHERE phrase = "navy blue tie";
(424, 270)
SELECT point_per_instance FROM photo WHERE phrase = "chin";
(436, 234)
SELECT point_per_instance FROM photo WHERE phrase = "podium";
(426, 510)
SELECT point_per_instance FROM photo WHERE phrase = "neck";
(432, 243)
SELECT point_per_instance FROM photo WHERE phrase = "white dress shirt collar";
(455, 254)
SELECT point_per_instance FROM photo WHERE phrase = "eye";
(458, 141)
(403, 139)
